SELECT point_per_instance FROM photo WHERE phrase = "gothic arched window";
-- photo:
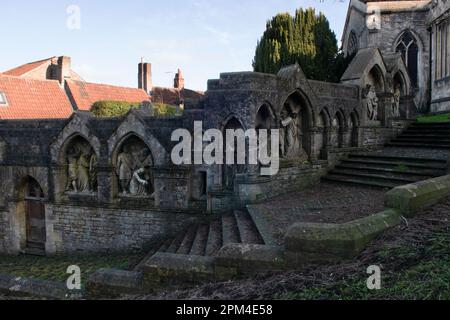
(407, 46)
(352, 47)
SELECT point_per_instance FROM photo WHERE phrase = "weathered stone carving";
(396, 102)
(81, 171)
(289, 135)
(133, 169)
(372, 103)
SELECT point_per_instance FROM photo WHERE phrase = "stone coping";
(18, 286)
(317, 242)
(411, 198)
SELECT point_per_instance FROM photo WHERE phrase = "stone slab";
(317, 242)
(411, 198)
(111, 282)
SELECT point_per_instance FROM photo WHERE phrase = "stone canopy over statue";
(81, 167)
(134, 169)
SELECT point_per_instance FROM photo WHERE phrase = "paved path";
(323, 203)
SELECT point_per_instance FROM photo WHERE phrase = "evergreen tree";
(306, 39)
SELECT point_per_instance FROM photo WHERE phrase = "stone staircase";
(424, 135)
(420, 153)
(206, 239)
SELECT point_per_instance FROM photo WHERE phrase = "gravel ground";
(323, 203)
(397, 250)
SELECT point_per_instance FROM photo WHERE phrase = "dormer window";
(3, 100)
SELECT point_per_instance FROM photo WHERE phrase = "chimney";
(178, 82)
(145, 76)
(64, 69)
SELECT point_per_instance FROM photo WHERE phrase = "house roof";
(25, 68)
(33, 99)
(83, 94)
(173, 96)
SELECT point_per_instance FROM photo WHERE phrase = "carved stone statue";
(290, 144)
(133, 169)
(124, 169)
(139, 183)
(81, 171)
(372, 103)
(72, 176)
(83, 174)
(396, 102)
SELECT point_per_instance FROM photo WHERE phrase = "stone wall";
(99, 229)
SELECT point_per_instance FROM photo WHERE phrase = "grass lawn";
(423, 280)
(54, 268)
(435, 118)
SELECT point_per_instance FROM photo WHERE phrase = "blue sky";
(202, 37)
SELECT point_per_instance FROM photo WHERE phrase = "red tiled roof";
(173, 96)
(33, 99)
(85, 94)
(24, 69)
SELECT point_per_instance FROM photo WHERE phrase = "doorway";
(35, 217)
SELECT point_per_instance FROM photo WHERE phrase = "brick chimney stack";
(178, 82)
(64, 69)
(145, 76)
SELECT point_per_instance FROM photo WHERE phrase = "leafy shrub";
(109, 109)
(166, 110)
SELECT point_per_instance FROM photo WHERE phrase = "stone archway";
(230, 171)
(323, 125)
(339, 128)
(354, 130)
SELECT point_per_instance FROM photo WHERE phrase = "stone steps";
(355, 180)
(206, 239)
(392, 178)
(230, 231)
(247, 228)
(214, 241)
(418, 145)
(388, 171)
(368, 168)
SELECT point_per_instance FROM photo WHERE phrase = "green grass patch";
(54, 268)
(166, 110)
(427, 278)
(434, 118)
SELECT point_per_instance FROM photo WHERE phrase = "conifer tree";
(305, 38)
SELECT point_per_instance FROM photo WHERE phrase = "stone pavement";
(323, 203)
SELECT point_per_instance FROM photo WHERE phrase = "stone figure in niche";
(72, 178)
(290, 144)
(81, 171)
(396, 102)
(133, 169)
(139, 183)
(372, 103)
(124, 169)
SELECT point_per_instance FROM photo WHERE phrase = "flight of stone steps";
(206, 239)
(424, 135)
(420, 153)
